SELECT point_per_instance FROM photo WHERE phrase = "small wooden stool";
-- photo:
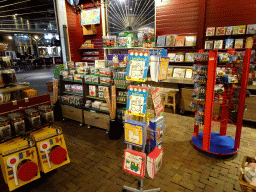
(171, 100)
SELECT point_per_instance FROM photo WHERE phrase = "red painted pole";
(212, 65)
(242, 96)
(196, 128)
(224, 115)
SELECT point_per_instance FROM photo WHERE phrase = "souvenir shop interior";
(152, 96)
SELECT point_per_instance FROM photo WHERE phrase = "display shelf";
(96, 98)
(76, 106)
(79, 82)
(97, 84)
(97, 110)
(176, 80)
(227, 36)
(14, 88)
(87, 48)
(71, 93)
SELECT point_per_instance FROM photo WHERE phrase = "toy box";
(156, 126)
(93, 91)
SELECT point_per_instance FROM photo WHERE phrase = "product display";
(32, 119)
(18, 123)
(5, 129)
(46, 114)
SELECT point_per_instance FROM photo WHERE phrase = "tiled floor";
(96, 162)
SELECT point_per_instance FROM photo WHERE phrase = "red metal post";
(196, 128)
(212, 65)
(224, 114)
(242, 96)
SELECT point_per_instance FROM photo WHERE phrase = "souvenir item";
(109, 41)
(172, 56)
(32, 119)
(218, 44)
(190, 41)
(210, 31)
(239, 43)
(46, 114)
(179, 72)
(229, 43)
(154, 162)
(160, 41)
(170, 40)
(180, 41)
(156, 126)
(189, 57)
(208, 45)
(251, 29)
(219, 88)
(5, 128)
(220, 31)
(18, 123)
(229, 30)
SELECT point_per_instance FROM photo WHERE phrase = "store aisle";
(96, 162)
(37, 79)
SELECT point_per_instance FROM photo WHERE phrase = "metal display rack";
(218, 143)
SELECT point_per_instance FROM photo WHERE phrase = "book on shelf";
(154, 162)
(210, 31)
(170, 72)
(172, 57)
(156, 127)
(249, 42)
(170, 40)
(160, 41)
(179, 57)
(122, 41)
(229, 30)
(218, 44)
(163, 68)
(189, 73)
(179, 72)
(190, 41)
(109, 41)
(241, 29)
(229, 43)
(180, 41)
(251, 29)
(208, 45)
(239, 43)
(189, 57)
(220, 31)
(154, 67)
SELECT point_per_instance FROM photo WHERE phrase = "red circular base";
(27, 171)
(58, 155)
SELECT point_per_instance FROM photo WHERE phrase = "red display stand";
(219, 143)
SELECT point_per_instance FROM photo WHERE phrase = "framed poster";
(137, 100)
(91, 16)
(137, 65)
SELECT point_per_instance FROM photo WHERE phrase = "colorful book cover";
(190, 41)
(249, 42)
(220, 31)
(218, 44)
(180, 41)
(170, 40)
(157, 102)
(135, 133)
(239, 43)
(170, 72)
(189, 57)
(251, 29)
(189, 73)
(180, 56)
(210, 31)
(172, 57)
(160, 41)
(179, 72)
(208, 45)
(109, 41)
(137, 100)
(134, 162)
(122, 41)
(137, 68)
(241, 29)
(164, 63)
(154, 162)
(229, 30)
(156, 127)
(229, 43)
(235, 30)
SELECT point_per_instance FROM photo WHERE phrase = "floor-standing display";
(226, 87)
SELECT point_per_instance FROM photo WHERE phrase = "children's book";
(235, 30)
(154, 162)
(170, 40)
(208, 45)
(229, 30)
(135, 133)
(220, 31)
(190, 41)
(134, 162)
(109, 41)
(179, 57)
(218, 44)
(210, 31)
(239, 43)
(137, 100)
(189, 73)
(172, 56)
(156, 126)
(160, 41)
(189, 57)
(249, 42)
(229, 43)
(180, 41)
(138, 62)
(251, 29)
(163, 68)
(241, 29)
(157, 102)
(179, 72)
(122, 41)
(170, 72)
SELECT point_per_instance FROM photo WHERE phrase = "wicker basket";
(246, 187)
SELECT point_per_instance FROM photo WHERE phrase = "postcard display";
(135, 162)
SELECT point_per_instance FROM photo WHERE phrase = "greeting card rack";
(231, 100)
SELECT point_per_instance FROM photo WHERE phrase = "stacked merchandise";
(176, 41)
(74, 88)
(72, 100)
(121, 97)
(181, 57)
(87, 44)
(117, 60)
(120, 81)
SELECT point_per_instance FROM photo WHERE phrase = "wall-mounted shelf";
(228, 36)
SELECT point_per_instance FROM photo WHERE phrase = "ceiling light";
(16, 14)
(36, 37)
(9, 37)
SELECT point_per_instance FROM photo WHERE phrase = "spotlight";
(10, 37)
(36, 37)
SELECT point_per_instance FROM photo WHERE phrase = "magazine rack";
(218, 143)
